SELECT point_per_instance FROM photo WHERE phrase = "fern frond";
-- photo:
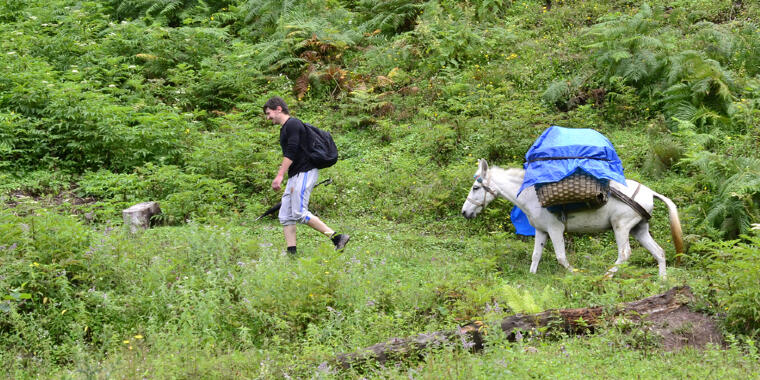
(557, 92)
(521, 303)
(389, 16)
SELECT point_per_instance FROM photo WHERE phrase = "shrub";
(44, 260)
(389, 17)
(182, 196)
(735, 265)
(734, 180)
(171, 12)
(442, 39)
(636, 51)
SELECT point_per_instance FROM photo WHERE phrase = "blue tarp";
(521, 223)
(598, 156)
(570, 149)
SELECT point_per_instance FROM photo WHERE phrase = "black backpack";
(320, 149)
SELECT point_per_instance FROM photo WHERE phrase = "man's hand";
(286, 162)
(277, 182)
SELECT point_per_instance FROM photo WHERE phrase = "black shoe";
(340, 241)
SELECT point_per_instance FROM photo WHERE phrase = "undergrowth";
(107, 104)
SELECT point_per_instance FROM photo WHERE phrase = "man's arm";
(286, 162)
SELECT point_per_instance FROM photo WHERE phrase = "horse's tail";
(675, 222)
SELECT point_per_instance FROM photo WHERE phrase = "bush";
(735, 265)
(182, 196)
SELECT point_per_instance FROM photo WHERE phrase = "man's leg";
(290, 235)
(300, 205)
(317, 224)
(287, 219)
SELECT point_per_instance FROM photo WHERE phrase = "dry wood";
(573, 321)
(138, 216)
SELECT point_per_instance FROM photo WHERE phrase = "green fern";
(170, 12)
(699, 90)
(736, 181)
(718, 43)
(557, 93)
(627, 47)
(263, 16)
(282, 50)
(389, 17)
(560, 92)
(526, 303)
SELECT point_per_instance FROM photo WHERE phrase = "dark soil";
(682, 327)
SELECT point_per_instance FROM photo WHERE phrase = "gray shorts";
(295, 199)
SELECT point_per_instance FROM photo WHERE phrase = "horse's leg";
(622, 233)
(642, 235)
(538, 248)
(557, 234)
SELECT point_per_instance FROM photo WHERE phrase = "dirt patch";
(682, 327)
(66, 197)
(66, 201)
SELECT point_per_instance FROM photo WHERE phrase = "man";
(302, 176)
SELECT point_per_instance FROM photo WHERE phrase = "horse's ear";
(483, 166)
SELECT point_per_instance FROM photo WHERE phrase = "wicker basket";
(578, 187)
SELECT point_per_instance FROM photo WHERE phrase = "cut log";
(573, 321)
(138, 217)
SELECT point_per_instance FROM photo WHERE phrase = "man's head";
(276, 110)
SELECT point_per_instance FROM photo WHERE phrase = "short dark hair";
(275, 102)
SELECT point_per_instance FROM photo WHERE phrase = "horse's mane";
(511, 172)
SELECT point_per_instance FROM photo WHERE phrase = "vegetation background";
(104, 104)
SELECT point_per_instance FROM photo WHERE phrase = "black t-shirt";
(293, 135)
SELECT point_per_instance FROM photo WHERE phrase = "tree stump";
(138, 216)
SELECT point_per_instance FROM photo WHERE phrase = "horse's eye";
(476, 187)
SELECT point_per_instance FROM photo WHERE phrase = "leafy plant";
(699, 90)
(389, 17)
(172, 12)
(630, 47)
(182, 196)
(526, 303)
(310, 50)
(734, 179)
(443, 41)
(735, 264)
(263, 16)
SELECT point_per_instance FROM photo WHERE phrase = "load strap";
(567, 158)
(630, 202)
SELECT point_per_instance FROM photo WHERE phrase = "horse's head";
(481, 193)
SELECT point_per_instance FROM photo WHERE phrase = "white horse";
(615, 214)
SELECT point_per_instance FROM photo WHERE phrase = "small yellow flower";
(64, 311)
(138, 336)
(126, 342)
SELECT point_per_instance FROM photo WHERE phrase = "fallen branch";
(573, 321)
